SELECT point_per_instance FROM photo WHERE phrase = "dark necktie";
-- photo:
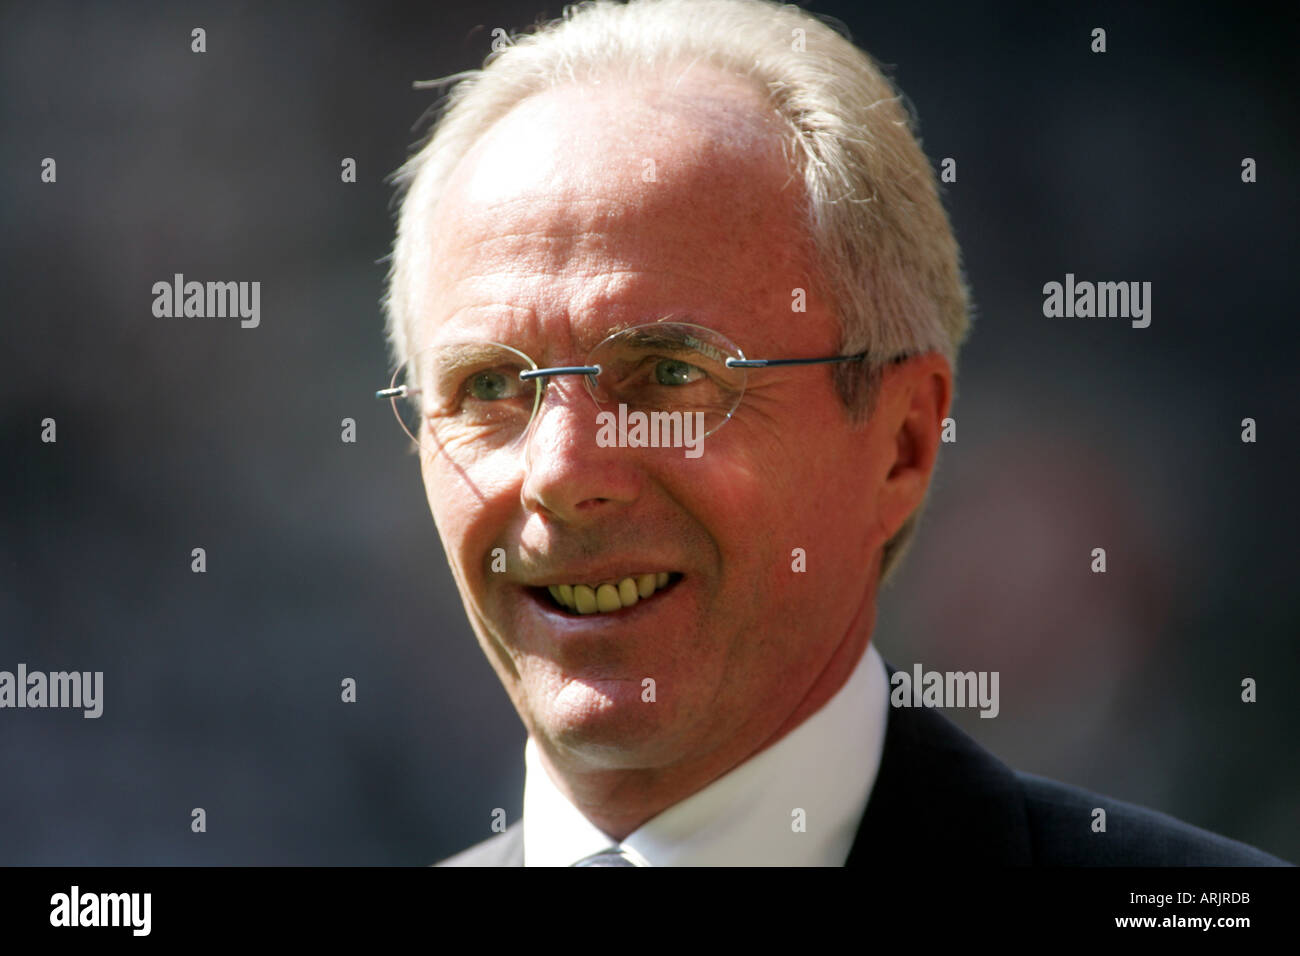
(611, 857)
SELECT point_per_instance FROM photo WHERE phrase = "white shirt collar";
(825, 767)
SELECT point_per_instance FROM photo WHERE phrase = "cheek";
(752, 512)
(846, 523)
(728, 496)
(470, 513)
(795, 512)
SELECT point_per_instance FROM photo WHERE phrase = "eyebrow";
(681, 342)
(459, 356)
(456, 356)
(653, 338)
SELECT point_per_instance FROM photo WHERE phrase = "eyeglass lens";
(466, 399)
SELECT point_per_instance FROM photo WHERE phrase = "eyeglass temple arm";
(764, 363)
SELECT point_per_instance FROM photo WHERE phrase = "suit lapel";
(940, 797)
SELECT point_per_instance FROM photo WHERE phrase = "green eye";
(673, 372)
(489, 386)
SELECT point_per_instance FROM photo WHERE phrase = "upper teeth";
(610, 596)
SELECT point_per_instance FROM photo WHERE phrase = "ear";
(914, 399)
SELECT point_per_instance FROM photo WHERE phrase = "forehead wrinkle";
(529, 337)
(531, 267)
(599, 313)
(486, 222)
(708, 282)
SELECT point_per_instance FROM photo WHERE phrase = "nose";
(566, 474)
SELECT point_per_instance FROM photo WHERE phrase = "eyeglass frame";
(393, 393)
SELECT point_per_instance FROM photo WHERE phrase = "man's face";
(588, 208)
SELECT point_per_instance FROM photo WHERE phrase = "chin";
(607, 724)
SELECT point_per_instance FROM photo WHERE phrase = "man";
(624, 215)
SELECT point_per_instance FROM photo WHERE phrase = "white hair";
(890, 263)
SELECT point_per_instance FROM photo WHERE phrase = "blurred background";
(222, 690)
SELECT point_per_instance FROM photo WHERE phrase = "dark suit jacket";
(942, 798)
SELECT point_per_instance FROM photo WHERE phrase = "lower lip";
(574, 621)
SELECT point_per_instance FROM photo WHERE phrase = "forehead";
(586, 208)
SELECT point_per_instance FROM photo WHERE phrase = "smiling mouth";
(609, 596)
